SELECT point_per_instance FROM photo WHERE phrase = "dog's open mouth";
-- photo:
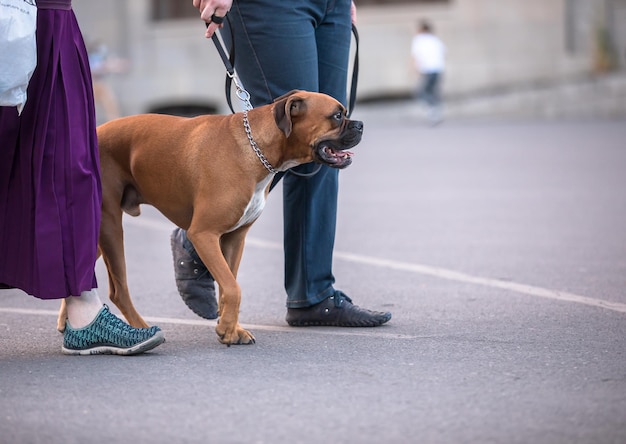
(333, 157)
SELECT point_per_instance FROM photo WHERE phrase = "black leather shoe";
(195, 284)
(336, 311)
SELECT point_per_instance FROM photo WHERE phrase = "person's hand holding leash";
(213, 13)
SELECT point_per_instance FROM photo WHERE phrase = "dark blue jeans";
(281, 45)
(429, 91)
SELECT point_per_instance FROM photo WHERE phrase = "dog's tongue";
(344, 154)
(336, 153)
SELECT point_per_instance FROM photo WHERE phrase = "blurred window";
(173, 9)
(395, 2)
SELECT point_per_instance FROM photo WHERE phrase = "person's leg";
(428, 91)
(315, 58)
(438, 97)
(270, 65)
(83, 309)
(312, 275)
(434, 100)
(310, 203)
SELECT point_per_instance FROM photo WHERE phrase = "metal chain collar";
(244, 96)
(255, 147)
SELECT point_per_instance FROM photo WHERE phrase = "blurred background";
(514, 58)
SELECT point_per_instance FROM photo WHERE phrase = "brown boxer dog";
(210, 175)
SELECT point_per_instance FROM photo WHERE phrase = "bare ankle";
(83, 309)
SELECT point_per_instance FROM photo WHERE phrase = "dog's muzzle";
(332, 152)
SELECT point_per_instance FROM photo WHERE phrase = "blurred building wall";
(492, 44)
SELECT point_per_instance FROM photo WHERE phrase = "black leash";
(230, 71)
(220, 49)
(355, 73)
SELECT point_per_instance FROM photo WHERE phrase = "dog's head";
(318, 122)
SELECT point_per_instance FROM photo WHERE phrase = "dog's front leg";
(228, 329)
(232, 249)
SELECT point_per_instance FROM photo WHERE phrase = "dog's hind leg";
(62, 316)
(111, 245)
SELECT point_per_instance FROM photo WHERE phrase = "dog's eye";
(338, 116)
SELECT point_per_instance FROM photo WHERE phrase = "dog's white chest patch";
(255, 206)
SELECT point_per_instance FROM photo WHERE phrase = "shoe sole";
(190, 306)
(201, 314)
(136, 349)
(372, 323)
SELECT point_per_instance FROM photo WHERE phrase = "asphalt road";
(500, 249)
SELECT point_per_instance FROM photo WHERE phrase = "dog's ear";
(285, 108)
(284, 96)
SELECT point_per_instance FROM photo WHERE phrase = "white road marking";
(441, 273)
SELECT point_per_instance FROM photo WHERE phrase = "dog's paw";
(234, 336)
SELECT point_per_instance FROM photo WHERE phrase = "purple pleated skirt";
(50, 192)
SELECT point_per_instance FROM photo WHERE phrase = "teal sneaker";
(109, 335)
